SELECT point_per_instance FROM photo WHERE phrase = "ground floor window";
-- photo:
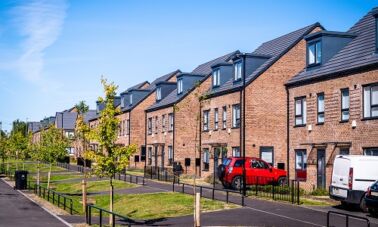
(301, 164)
(266, 154)
(70, 150)
(344, 151)
(236, 152)
(149, 155)
(170, 155)
(206, 159)
(371, 151)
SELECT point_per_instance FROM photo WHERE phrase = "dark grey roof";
(89, 115)
(66, 119)
(137, 86)
(203, 70)
(275, 48)
(358, 53)
(34, 126)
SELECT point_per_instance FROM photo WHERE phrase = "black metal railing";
(134, 179)
(101, 211)
(158, 173)
(52, 196)
(347, 218)
(269, 188)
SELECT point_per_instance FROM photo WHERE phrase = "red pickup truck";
(230, 173)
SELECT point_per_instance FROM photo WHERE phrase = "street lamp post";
(243, 119)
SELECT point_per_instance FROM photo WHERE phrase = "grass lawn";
(153, 205)
(92, 186)
(58, 177)
(32, 167)
(137, 172)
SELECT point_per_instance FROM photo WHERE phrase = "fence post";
(48, 195)
(100, 217)
(158, 170)
(226, 196)
(64, 202)
(89, 215)
(71, 206)
(257, 185)
(242, 200)
(58, 199)
(173, 183)
(298, 193)
(292, 191)
(151, 172)
(44, 192)
(273, 190)
(53, 196)
(183, 188)
(213, 193)
(201, 191)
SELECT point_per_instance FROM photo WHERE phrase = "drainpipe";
(287, 134)
(173, 139)
(145, 139)
(129, 129)
(243, 138)
(200, 137)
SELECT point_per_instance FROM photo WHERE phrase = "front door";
(321, 169)
(216, 161)
(156, 156)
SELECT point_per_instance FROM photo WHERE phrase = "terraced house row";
(295, 101)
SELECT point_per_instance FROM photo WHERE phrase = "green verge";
(92, 186)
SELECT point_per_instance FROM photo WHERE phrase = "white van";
(351, 177)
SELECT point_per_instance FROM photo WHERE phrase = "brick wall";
(364, 135)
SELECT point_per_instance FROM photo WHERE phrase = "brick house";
(173, 122)
(36, 128)
(333, 102)
(134, 101)
(66, 121)
(78, 144)
(267, 69)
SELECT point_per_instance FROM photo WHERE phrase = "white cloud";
(40, 22)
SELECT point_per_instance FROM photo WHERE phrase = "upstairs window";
(131, 99)
(163, 123)
(371, 101)
(238, 71)
(149, 126)
(179, 86)
(171, 121)
(158, 94)
(156, 124)
(345, 104)
(300, 111)
(206, 159)
(236, 116)
(127, 127)
(206, 120)
(314, 53)
(170, 155)
(321, 108)
(216, 119)
(216, 78)
(224, 118)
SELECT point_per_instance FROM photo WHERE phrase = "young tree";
(109, 158)
(3, 147)
(18, 144)
(53, 147)
(82, 130)
(37, 155)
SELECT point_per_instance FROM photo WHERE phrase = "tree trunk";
(111, 201)
(48, 177)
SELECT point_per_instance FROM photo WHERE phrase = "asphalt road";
(17, 210)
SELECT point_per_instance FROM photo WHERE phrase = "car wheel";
(281, 181)
(237, 183)
(363, 205)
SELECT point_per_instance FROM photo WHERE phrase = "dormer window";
(179, 86)
(216, 78)
(314, 51)
(131, 99)
(158, 94)
(238, 71)
(122, 102)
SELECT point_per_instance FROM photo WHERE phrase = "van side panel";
(365, 172)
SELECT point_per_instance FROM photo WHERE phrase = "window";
(224, 118)
(170, 155)
(131, 99)
(122, 102)
(314, 53)
(158, 94)
(206, 159)
(300, 111)
(258, 164)
(321, 108)
(156, 124)
(149, 126)
(345, 104)
(236, 116)
(216, 119)
(179, 86)
(344, 151)
(237, 71)
(206, 120)
(149, 154)
(371, 101)
(301, 164)
(163, 123)
(171, 120)
(266, 154)
(371, 151)
(216, 78)
(236, 152)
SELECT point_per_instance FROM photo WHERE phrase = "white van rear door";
(340, 172)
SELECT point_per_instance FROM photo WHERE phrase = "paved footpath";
(17, 210)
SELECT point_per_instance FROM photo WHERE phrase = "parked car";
(351, 177)
(230, 173)
(371, 199)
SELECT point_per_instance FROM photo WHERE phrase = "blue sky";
(53, 53)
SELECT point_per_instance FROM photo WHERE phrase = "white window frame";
(236, 152)
(238, 70)
(131, 99)
(216, 119)
(320, 108)
(170, 121)
(205, 126)
(303, 111)
(236, 119)
(163, 122)
(345, 104)
(149, 125)
(224, 117)
(314, 52)
(158, 93)
(179, 86)
(216, 77)
(370, 103)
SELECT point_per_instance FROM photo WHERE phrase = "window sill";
(321, 123)
(235, 127)
(313, 65)
(299, 126)
(369, 118)
(343, 121)
(224, 128)
(215, 129)
(205, 170)
(205, 130)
